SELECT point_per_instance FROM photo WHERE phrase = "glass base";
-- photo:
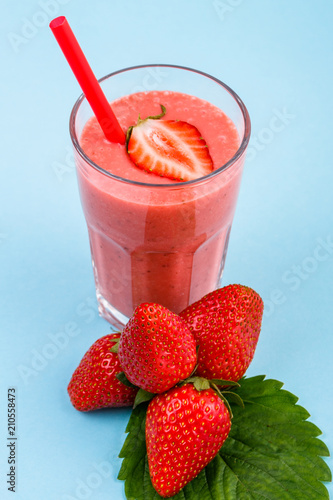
(111, 314)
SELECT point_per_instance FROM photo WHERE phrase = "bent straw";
(87, 80)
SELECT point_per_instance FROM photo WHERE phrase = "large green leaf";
(272, 453)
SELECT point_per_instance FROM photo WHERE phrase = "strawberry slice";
(169, 148)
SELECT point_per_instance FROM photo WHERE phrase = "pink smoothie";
(162, 241)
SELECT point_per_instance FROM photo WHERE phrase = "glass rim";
(240, 151)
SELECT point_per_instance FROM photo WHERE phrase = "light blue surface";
(278, 57)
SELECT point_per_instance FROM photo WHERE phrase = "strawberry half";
(168, 148)
(156, 348)
(226, 324)
(185, 429)
(94, 384)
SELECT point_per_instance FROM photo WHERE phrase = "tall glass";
(163, 243)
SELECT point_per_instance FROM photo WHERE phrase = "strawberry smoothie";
(155, 239)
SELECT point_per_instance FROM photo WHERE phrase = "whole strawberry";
(226, 324)
(156, 348)
(94, 384)
(185, 429)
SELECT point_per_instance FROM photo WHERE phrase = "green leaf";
(115, 347)
(142, 396)
(272, 453)
(199, 383)
(124, 380)
(134, 454)
(233, 397)
(228, 383)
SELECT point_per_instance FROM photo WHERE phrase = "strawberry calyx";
(114, 348)
(142, 395)
(221, 387)
(124, 380)
(140, 121)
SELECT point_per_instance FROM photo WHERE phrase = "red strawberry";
(226, 324)
(169, 148)
(94, 384)
(185, 429)
(156, 348)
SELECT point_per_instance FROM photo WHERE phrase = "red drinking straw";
(87, 80)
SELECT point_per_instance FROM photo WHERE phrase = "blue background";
(278, 57)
